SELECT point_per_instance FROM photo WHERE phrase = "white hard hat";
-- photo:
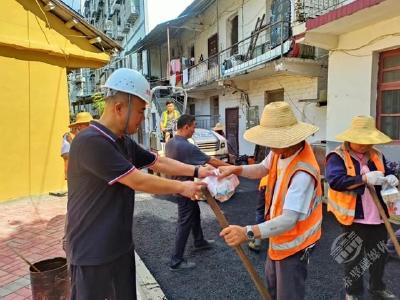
(129, 81)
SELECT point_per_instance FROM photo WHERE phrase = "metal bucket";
(52, 282)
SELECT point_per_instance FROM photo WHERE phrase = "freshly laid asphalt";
(219, 273)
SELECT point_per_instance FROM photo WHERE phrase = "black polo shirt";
(100, 209)
(179, 148)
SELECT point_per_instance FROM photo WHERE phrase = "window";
(273, 96)
(234, 35)
(139, 61)
(213, 51)
(388, 104)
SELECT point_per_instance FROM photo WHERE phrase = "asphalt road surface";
(219, 273)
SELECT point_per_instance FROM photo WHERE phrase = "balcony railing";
(262, 46)
(131, 12)
(308, 9)
(206, 121)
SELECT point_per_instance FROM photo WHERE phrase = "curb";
(147, 286)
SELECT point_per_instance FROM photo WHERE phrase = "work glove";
(375, 178)
(392, 180)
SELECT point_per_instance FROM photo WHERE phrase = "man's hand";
(234, 235)
(225, 171)
(206, 171)
(192, 189)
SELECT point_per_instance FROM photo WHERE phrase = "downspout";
(218, 60)
(169, 54)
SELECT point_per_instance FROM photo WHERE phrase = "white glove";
(375, 178)
(392, 180)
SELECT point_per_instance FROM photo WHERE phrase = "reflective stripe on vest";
(307, 231)
(343, 204)
(299, 240)
(165, 117)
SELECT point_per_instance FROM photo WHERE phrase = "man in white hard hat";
(104, 172)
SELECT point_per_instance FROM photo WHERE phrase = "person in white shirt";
(293, 208)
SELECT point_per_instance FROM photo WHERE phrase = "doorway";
(232, 129)
(213, 51)
(214, 110)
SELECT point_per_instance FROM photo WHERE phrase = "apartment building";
(234, 57)
(125, 21)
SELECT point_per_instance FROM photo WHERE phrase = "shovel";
(388, 226)
(223, 222)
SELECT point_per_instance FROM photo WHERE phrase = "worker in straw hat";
(81, 122)
(350, 168)
(292, 199)
(219, 128)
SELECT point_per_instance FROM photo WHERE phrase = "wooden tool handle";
(389, 227)
(223, 222)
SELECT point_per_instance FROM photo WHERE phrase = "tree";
(98, 102)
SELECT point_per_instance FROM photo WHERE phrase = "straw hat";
(279, 127)
(363, 131)
(82, 118)
(218, 126)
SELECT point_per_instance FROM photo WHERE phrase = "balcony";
(310, 9)
(321, 23)
(131, 12)
(119, 35)
(201, 74)
(206, 121)
(126, 28)
(252, 53)
(115, 6)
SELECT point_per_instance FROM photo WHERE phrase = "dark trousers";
(112, 281)
(260, 208)
(286, 278)
(188, 220)
(372, 257)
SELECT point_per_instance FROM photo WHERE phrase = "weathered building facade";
(233, 58)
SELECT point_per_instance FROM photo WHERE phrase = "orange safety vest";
(308, 231)
(343, 204)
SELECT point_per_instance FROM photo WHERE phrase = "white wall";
(295, 88)
(247, 17)
(352, 78)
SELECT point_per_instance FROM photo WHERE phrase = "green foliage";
(98, 102)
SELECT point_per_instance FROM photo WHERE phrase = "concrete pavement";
(33, 228)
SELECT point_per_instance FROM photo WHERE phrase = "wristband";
(196, 171)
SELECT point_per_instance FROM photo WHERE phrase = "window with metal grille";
(273, 96)
(388, 103)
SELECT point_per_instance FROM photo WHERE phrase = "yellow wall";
(24, 26)
(34, 110)
(33, 116)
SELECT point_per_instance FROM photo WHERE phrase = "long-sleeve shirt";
(336, 175)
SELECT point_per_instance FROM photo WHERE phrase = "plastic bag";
(391, 196)
(223, 189)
